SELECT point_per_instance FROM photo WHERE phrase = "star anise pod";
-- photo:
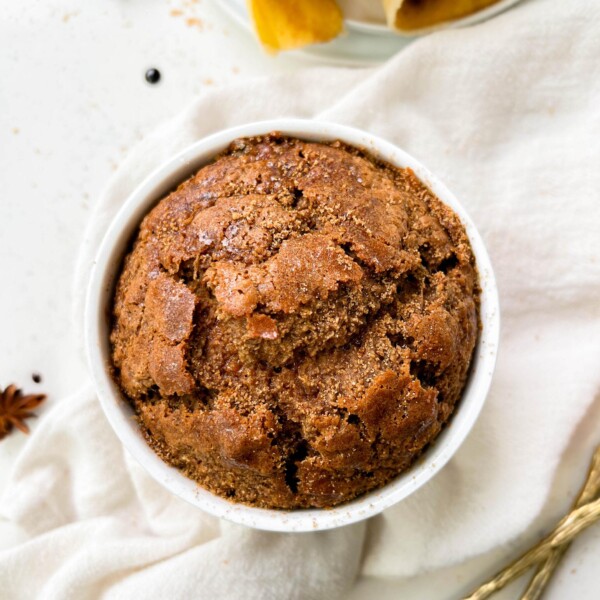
(15, 408)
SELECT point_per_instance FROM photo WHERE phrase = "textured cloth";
(506, 113)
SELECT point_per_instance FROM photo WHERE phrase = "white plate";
(363, 44)
(367, 40)
(366, 16)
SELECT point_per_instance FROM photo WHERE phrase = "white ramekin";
(102, 279)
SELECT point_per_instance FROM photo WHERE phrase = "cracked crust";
(295, 322)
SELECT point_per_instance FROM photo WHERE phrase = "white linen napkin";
(507, 114)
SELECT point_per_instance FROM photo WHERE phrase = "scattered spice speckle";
(37, 378)
(16, 130)
(194, 22)
(208, 81)
(176, 12)
(153, 75)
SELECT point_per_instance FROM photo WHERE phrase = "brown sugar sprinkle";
(295, 322)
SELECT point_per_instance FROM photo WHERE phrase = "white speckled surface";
(73, 100)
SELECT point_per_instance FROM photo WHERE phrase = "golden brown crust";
(295, 322)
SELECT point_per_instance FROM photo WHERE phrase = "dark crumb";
(37, 378)
(152, 75)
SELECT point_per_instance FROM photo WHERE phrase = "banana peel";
(414, 15)
(289, 24)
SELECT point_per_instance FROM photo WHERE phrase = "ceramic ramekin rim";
(119, 414)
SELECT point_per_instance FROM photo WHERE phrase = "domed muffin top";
(295, 322)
